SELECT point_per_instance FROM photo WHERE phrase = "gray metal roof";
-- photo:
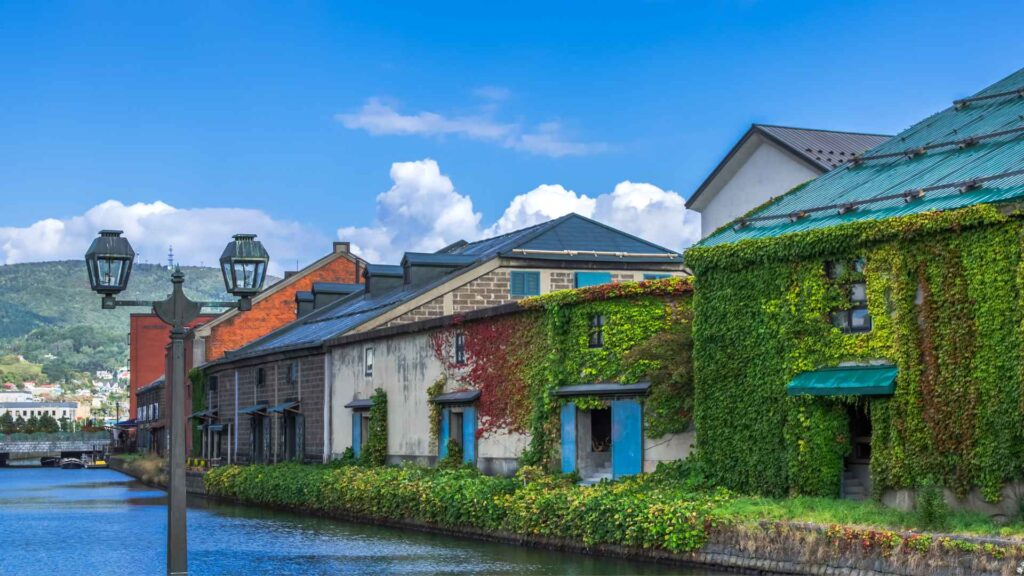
(460, 397)
(384, 270)
(560, 236)
(283, 406)
(333, 288)
(360, 404)
(159, 382)
(437, 259)
(603, 389)
(826, 148)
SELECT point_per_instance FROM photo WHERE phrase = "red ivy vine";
(499, 356)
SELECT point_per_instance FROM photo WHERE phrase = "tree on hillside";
(48, 424)
(19, 424)
(65, 424)
(32, 425)
(7, 425)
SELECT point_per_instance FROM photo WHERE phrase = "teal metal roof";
(930, 166)
(845, 381)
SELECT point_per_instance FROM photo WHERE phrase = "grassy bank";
(669, 510)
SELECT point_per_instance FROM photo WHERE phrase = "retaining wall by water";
(765, 548)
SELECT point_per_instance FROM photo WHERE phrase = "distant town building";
(15, 396)
(26, 410)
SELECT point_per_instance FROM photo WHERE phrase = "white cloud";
(423, 212)
(547, 139)
(198, 235)
(541, 204)
(378, 119)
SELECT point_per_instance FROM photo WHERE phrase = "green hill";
(49, 315)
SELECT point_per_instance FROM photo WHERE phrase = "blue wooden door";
(469, 434)
(442, 441)
(357, 432)
(568, 438)
(627, 438)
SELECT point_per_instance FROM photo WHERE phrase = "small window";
(597, 331)
(212, 384)
(460, 348)
(849, 277)
(524, 283)
(293, 372)
(261, 377)
(455, 420)
(368, 361)
(584, 279)
(654, 276)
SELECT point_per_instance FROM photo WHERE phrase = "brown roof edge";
(428, 324)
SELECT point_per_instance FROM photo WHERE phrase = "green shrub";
(651, 511)
(375, 453)
(930, 507)
(454, 457)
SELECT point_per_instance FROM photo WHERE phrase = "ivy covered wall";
(943, 292)
(517, 360)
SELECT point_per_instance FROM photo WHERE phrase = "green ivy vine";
(943, 292)
(376, 450)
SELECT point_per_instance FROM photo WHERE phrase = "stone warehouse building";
(866, 328)
(475, 379)
(567, 252)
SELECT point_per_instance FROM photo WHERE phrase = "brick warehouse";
(148, 338)
(275, 306)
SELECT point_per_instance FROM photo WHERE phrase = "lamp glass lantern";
(109, 261)
(244, 265)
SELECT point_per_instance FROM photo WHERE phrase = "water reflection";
(100, 522)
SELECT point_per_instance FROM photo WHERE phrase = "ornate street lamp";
(244, 265)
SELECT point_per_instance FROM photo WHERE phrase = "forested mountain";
(49, 315)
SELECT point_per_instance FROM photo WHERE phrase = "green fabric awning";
(845, 381)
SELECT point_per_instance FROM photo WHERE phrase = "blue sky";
(300, 111)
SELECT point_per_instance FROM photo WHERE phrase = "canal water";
(101, 522)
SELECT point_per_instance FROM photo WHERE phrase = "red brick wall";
(149, 338)
(276, 310)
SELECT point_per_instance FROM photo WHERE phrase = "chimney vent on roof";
(342, 248)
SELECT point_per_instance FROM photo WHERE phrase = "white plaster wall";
(502, 444)
(667, 448)
(404, 367)
(768, 171)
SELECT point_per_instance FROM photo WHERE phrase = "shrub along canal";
(101, 522)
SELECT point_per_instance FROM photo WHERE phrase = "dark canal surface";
(101, 522)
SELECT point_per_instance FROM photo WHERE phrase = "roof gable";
(968, 154)
(820, 150)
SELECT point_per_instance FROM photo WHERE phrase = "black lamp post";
(244, 265)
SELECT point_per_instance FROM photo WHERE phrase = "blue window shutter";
(584, 279)
(656, 276)
(357, 430)
(469, 435)
(627, 438)
(442, 441)
(524, 283)
(568, 438)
